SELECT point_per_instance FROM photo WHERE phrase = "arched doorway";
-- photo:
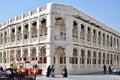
(60, 55)
(59, 59)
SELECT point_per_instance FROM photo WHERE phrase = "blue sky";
(105, 11)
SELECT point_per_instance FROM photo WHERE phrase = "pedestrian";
(109, 68)
(48, 71)
(104, 68)
(112, 68)
(1, 68)
(64, 72)
(52, 70)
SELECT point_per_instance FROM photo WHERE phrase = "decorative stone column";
(29, 32)
(7, 36)
(21, 54)
(37, 52)
(86, 34)
(69, 40)
(91, 58)
(15, 35)
(50, 23)
(86, 58)
(50, 54)
(38, 31)
(22, 33)
(15, 52)
(29, 53)
(97, 59)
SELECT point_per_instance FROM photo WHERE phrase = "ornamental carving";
(60, 51)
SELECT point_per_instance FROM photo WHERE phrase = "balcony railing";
(19, 42)
(33, 39)
(43, 38)
(12, 43)
(25, 41)
(75, 39)
(82, 41)
(60, 37)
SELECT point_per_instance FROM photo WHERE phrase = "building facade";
(60, 35)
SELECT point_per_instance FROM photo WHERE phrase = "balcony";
(42, 38)
(82, 41)
(60, 37)
(75, 39)
(12, 43)
(25, 41)
(19, 42)
(33, 39)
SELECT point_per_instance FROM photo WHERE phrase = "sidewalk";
(81, 77)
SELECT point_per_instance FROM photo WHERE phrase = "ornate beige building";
(60, 35)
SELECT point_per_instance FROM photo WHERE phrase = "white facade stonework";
(60, 35)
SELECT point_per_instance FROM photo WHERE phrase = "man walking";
(104, 69)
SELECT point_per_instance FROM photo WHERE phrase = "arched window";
(42, 55)
(34, 29)
(94, 57)
(99, 58)
(60, 29)
(88, 57)
(74, 59)
(104, 57)
(18, 55)
(82, 32)
(108, 58)
(88, 34)
(111, 41)
(25, 54)
(108, 40)
(26, 33)
(5, 37)
(104, 39)
(75, 56)
(43, 28)
(4, 57)
(33, 54)
(75, 31)
(111, 58)
(19, 35)
(94, 36)
(118, 59)
(117, 43)
(99, 37)
(82, 59)
(60, 52)
(12, 34)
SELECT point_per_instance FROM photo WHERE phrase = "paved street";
(81, 77)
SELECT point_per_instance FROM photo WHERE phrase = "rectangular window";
(76, 60)
(99, 61)
(54, 60)
(45, 59)
(70, 60)
(94, 61)
(25, 36)
(64, 60)
(61, 60)
(103, 61)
